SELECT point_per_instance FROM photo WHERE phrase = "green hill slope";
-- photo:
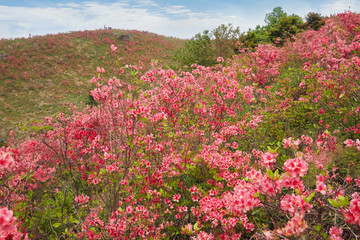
(41, 74)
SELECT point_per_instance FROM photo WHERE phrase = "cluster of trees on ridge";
(204, 48)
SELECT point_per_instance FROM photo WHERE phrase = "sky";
(181, 19)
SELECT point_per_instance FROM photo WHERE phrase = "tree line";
(204, 48)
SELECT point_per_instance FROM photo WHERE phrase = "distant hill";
(40, 74)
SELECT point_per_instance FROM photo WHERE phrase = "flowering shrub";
(196, 155)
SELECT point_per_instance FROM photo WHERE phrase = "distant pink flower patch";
(289, 142)
(349, 143)
(100, 70)
(220, 59)
(302, 84)
(82, 199)
(321, 111)
(113, 48)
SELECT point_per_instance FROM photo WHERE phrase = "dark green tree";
(261, 33)
(314, 21)
(225, 38)
(198, 49)
(285, 28)
(271, 19)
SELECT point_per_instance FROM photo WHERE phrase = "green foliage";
(285, 28)
(279, 26)
(203, 49)
(43, 221)
(314, 21)
(199, 50)
(271, 19)
(225, 37)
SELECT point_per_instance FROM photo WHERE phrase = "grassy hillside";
(41, 74)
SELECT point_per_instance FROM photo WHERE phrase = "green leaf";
(56, 225)
(270, 173)
(308, 198)
(344, 201)
(318, 227)
(74, 221)
(257, 194)
(196, 226)
(173, 229)
(334, 203)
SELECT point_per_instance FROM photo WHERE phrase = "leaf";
(270, 173)
(196, 226)
(334, 203)
(56, 225)
(308, 198)
(344, 201)
(173, 229)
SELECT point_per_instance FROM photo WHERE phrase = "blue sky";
(182, 19)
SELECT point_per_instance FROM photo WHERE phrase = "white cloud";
(147, 3)
(177, 10)
(170, 20)
(339, 6)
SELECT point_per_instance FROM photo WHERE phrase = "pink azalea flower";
(176, 197)
(296, 167)
(268, 159)
(321, 187)
(113, 48)
(349, 143)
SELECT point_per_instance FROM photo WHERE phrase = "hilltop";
(42, 73)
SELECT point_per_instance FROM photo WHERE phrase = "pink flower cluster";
(8, 229)
(294, 204)
(6, 161)
(296, 167)
(352, 214)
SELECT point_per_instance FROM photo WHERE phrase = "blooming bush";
(226, 152)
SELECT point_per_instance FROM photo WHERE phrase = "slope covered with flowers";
(41, 73)
(262, 146)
